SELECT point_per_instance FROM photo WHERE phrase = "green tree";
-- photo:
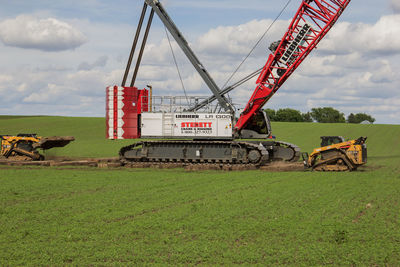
(360, 117)
(327, 115)
(307, 117)
(271, 113)
(351, 118)
(289, 115)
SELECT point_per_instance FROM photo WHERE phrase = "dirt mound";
(281, 166)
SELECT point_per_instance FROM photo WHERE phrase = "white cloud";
(100, 62)
(43, 34)
(5, 78)
(87, 83)
(161, 52)
(22, 87)
(381, 38)
(395, 4)
(238, 40)
(51, 93)
(5, 81)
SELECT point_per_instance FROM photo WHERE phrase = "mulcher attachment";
(53, 141)
(25, 146)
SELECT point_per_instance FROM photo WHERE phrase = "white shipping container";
(187, 125)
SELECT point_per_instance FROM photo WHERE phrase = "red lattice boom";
(311, 23)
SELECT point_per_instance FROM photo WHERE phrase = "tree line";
(322, 115)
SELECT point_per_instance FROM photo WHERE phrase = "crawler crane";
(199, 134)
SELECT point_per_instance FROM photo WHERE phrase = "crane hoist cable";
(257, 43)
(176, 65)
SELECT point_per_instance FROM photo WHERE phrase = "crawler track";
(337, 164)
(212, 153)
(334, 161)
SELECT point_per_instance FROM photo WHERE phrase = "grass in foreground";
(89, 216)
(82, 216)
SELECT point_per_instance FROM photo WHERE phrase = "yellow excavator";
(25, 146)
(336, 154)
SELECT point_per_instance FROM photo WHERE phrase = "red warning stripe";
(115, 112)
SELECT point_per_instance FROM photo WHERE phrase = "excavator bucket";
(53, 141)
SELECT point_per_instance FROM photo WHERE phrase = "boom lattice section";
(311, 23)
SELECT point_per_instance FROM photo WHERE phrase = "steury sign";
(186, 125)
(289, 57)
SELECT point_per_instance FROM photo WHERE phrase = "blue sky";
(57, 57)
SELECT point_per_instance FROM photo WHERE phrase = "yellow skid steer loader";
(336, 154)
(26, 146)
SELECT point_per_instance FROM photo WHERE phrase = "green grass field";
(87, 216)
